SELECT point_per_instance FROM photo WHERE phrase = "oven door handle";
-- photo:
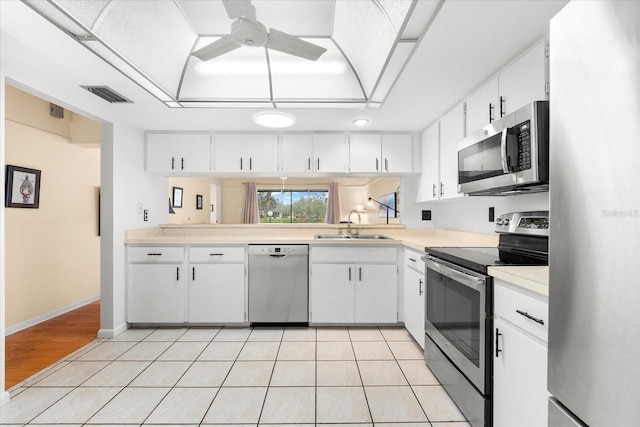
(466, 279)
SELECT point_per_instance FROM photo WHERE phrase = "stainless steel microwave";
(509, 156)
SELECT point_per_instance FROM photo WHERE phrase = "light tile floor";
(240, 377)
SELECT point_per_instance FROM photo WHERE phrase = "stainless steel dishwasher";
(278, 284)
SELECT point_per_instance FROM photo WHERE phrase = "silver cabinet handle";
(434, 191)
(250, 163)
(154, 254)
(173, 163)
(240, 163)
(182, 163)
(498, 334)
(420, 286)
(318, 161)
(177, 273)
(386, 164)
(193, 274)
(360, 274)
(216, 254)
(441, 189)
(349, 273)
(309, 163)
(377, 167)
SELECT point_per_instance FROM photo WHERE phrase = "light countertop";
(534, 278)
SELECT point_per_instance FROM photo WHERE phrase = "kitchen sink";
(351, 236)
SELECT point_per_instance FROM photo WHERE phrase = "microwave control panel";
(524, 145)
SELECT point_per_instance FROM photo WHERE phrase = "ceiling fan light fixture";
(361, 122)
(274, 119)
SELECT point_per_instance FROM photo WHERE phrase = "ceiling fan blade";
(217, 48)
(292, 45)
(240, 9)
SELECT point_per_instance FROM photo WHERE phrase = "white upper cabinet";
(525, 80)
(296, 152)
(430, 180)
(397, 153)
(331, 153)
(245, 153)
(383, 153)
(451, 131)
(522, 82)
(177, 153)
(483, 106)
(365, 152)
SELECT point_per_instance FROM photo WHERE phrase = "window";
(292, 206)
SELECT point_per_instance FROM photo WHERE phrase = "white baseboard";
(47, 316)
(4, 398)
(111, 333)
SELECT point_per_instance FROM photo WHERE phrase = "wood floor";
(33, 349)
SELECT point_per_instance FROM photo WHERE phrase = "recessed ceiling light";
(360, 122)
(274, 119)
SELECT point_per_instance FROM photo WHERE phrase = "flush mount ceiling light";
(274, 119)
(188, 54)
(361, 122)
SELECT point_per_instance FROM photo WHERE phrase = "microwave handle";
(509, 148)
(503, 150)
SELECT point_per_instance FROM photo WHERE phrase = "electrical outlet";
(426, 215)
(145, 215)
(492, 214)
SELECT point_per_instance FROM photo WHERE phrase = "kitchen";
(446, 214)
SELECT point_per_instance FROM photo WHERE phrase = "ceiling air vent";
(108, 94)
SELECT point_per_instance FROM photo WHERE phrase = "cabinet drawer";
(155, 254)
(412, 259)
(522, 309)
(353, 254)
(216, 254)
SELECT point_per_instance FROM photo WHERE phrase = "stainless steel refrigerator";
(594, 252)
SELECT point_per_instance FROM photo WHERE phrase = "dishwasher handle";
(277, 255)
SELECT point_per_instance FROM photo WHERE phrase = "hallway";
(31, 350)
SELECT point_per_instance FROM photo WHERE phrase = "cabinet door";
(297, 153)
(483, 106)
(216, 293)
(156, 294)
(451, 131)
(414, 304)
(332, 293)
(376, 294)
(228, 153)
(162, 152)
(195, 152)
(364, 153)
(525, 80)
(519, 379)
(261, 153)
(331, 153)
(430, 179)
(397, 154)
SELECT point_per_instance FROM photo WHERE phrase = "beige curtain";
(333, 204)
(250, 213)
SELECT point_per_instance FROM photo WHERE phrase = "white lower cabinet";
(156, 285)
(520, 394)
(414, 296)
(353, 285)
(164, 288)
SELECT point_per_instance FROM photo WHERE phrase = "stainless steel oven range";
(459, 308)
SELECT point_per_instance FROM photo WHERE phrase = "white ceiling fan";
(247, 31)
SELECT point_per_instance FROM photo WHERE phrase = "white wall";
(466, 213)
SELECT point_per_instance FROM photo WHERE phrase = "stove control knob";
(499, 221)
(506, 221)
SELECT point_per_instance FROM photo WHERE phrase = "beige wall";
(52, 253)
(188, 214)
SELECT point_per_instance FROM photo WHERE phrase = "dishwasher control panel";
(278, 249)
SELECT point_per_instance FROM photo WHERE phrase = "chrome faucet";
(349, 222)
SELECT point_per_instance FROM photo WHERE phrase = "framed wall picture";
(177, 197)
(198, 201)
(22, 187)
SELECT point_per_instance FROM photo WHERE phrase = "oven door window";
(481, 160)
(455, 311)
